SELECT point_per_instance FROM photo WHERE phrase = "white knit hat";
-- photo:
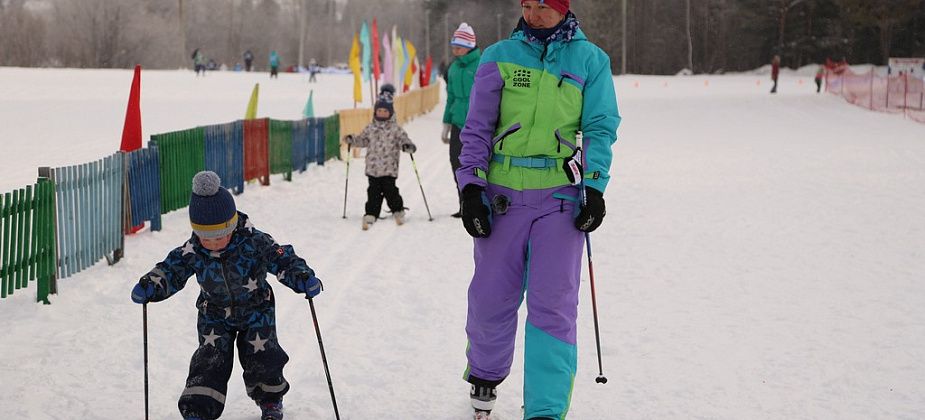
(464, 36)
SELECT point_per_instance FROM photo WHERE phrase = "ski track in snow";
(761, 259)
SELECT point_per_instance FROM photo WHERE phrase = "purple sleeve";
(484, 103)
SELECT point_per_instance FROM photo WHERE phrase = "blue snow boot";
(272, 410)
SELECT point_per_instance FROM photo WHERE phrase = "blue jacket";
(233, 282)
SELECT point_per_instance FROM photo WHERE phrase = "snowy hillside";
(762, 258)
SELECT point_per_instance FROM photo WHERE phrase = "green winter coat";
(459, 79)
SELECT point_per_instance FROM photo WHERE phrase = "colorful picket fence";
(74, 216)
(89, 213)
(27, 239)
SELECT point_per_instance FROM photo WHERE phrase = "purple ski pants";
(535, 248)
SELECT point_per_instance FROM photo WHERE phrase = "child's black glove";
(476, 215)
(349, 139)
(592, 213)
(409, 148)
(308, 284)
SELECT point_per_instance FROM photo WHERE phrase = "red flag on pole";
(376, 71)
(131, 131)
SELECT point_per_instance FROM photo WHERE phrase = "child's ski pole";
(601, 379)
(311, 304)
(346, 181)
(144, 318)
(415, 166)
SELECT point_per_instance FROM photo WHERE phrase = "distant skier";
(313, 70)
(274, 64)
(230, 259)
(775, 71)
(248, 60)
(385, 140)
(820, 74)
(199, 62)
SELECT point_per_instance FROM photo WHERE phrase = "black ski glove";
(476, 215)
(592, 213)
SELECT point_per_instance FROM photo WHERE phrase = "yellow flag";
(252, 104)
(409, 74)
(354, 64)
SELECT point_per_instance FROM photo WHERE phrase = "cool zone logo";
(521, 78)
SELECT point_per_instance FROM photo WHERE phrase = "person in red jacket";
(775, 70)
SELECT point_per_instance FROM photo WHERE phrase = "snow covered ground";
(762, 258)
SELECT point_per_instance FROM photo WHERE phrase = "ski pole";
(144, 318)
(415, 166)
(346, 181)
(311, 304)
(601, 379)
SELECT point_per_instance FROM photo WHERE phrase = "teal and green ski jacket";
(459, 79)
(529, 100)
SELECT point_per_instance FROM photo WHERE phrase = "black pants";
(774, 88)
(379, 188)
(274, 72)
(210, 368)
(455, 151)
(818, 85)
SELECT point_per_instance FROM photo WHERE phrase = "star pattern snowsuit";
(528, 101)
(236, 307)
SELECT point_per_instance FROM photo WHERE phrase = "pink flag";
(386, 60)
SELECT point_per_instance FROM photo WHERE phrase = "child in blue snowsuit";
(231, 260)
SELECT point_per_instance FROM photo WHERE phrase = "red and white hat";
(464, 36)
(560, 6)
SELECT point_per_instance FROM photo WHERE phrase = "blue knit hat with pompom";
(212, 212)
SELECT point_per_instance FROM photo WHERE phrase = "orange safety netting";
(902, 93)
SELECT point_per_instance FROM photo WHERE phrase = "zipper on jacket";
(500, 138)
(543, 56)
(221, 261)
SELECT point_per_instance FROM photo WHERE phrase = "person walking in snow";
(820, 75)
(459, 79)
(199, 62)
(533, 94)
(248, 60)
(385, 140)
(230, 259)
(775, 71)
(274, 64)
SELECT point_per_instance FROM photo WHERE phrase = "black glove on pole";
(592, 212)
(476, 215)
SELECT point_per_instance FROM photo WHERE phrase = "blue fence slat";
(89, 219)
(319, 140)
(144, 187)
(300, 140)
(224, 153)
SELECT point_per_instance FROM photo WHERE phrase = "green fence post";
(5, 255)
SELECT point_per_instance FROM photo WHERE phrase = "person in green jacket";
(459, 79)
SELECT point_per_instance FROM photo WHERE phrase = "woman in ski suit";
(532, 94)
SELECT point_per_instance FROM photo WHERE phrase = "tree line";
(659, 36)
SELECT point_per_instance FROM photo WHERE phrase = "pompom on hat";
(560, 6)
(212, 212)
(463, 37)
